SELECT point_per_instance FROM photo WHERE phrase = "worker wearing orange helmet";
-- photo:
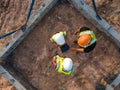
(63, 65)
(86, 40)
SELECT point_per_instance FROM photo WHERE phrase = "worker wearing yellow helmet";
(63, 65)
(86, 40)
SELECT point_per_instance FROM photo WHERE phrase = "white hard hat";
(59, 39)
(67, 64)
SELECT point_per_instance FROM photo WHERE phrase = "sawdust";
(98, 2)
(111, 12)
(33, 56)
(5, 85)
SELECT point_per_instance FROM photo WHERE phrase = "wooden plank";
(18, 76)
(11, 79)
(102, 25)
(115, 83)
(20, 35)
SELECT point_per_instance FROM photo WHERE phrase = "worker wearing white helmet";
(59, 38)
(63, 65)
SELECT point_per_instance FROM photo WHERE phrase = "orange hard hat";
(84, 39)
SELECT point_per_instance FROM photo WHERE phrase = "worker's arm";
(54, 62)
(54, 44)
(78, 49)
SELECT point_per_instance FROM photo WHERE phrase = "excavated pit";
(34, 55)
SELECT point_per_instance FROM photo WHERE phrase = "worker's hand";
(76, 31)
(54, 62)
(55, 45)
(77, 49)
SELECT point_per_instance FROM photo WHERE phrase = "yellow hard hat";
(83, 40)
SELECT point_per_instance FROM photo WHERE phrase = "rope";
(5, 35)
(23, 27)
(94, 6)
(30, 10)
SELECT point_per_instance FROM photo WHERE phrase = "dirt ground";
(5, 85)
(33, 56)
(13, 15)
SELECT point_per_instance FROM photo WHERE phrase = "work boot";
(59, 1)
(119, 50)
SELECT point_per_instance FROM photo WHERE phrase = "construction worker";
(86, 40)
(59, 39)
(63, 65)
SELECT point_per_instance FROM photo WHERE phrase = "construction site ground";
(34, 55)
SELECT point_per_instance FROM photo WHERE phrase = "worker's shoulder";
(84, 29)
(90, 48)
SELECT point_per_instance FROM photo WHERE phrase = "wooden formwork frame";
(80, 5)
(8, 48)
(20, 35)
(11, 79)
(114, 84)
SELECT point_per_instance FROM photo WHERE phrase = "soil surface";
(5, 85)
(13, 15)
(34, 55)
